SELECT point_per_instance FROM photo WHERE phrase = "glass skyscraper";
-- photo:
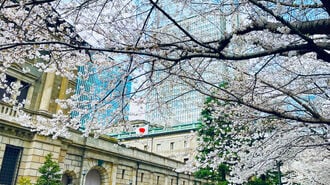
(103, 94)
(174, 102)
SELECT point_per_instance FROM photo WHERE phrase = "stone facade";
(179, 145)
(116, 164)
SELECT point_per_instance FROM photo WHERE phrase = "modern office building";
(106, 86)
(174, 101)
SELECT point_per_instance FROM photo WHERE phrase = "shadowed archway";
(97, 175)
(69, 178)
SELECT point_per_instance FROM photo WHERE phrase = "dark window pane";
(9, 165)
(24, 90)
(9, 80)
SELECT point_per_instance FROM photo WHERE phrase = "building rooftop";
(153, 131)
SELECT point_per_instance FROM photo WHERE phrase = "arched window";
(93, 177)
(66, 179)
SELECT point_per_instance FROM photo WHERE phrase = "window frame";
(17, 162)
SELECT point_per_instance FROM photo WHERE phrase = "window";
(172, 181)
(172, 145)
(185, 160)
(158, 147)
(122, 173)
(10, 164)
(24, 87)
(183, 182)
(9, 80)
(24, 90)
(158, 179)
(185, 144)
(142, 174)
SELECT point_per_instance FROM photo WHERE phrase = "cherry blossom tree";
(274, 54)
(255, 147)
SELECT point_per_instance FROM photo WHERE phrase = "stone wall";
(180, 146)
(116, 164)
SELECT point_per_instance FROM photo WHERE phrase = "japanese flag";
(142, 130)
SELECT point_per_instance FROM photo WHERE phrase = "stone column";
(134, 176)
(166, 179)
(29, 97)
(47, 92)
(113, 177)
(62, 93)
(152, 178)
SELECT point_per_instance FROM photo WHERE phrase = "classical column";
(29, 97)
(166, 179)
(47, 92)
(135, 174)
(152, 178)
(114, 174)
(62, 93)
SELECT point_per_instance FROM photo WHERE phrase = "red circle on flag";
(142, 130)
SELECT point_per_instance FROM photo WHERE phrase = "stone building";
(178, 142)
(83, 160)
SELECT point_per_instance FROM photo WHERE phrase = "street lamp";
(84, 172)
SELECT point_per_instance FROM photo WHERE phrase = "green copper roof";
(157, 131)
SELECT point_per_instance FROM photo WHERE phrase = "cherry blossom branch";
(316, 119)
(178, 26)
(28, 3)
(321, 53)
(319, 26)
(139, 51)
(294, 4)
